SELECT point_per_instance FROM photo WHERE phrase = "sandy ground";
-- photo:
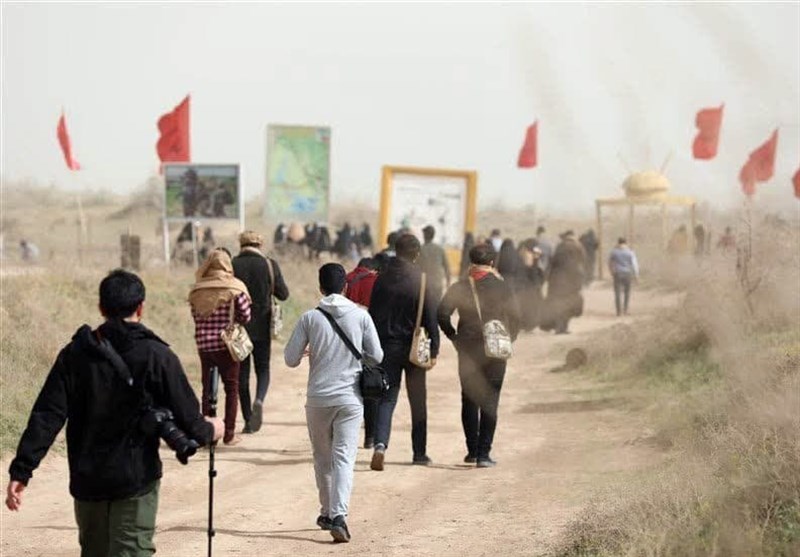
(559, 441)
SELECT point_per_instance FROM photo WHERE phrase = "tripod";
(212, 473)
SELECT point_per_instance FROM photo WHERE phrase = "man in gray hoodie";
(334, 406)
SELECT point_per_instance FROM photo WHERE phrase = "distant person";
(358, 288)
(508, 262)
(360, 281)
(333, 400)
(106, 385)
(211, 297)
(564, 300)
(496, 240)
(727, 242)
(590, 246)
(699, 240)
(544, 244)
(28, 251)
(365, 238)
(481, 377)
(208, 245)
(469, 243)
(394, 310)
(433, 262)
(529, 284)
(679, 242)
(624, 269)
(387, 254)
(263, 278)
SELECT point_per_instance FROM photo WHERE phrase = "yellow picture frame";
(470, 181)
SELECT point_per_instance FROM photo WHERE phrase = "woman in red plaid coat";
(211, 298)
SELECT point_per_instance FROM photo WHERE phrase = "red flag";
(527, 155)
(760, 166)
(66, 146)
(708, 122)
(173, 145)
(796, 182)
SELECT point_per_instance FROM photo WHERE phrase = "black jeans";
(370, 417)
(622, 291)
(481, 381)
(395, 360)
(260, 357)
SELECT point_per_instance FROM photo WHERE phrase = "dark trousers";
(622, 292)
(260, 357)
(229, 375)
(370, 417)
(122, 528)
(395, 360)
(481, 381)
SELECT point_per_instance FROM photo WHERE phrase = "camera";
(160, 422)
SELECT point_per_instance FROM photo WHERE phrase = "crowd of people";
(105, 380)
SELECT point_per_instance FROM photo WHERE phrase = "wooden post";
(601, 255)
(194, 246)
(630, 223)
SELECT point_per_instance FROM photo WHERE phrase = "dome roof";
(649, 183)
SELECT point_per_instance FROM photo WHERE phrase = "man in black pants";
(263, 278)
(393, 308)
(481, 377)
(104, 385)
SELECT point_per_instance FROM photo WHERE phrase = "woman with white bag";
(488, 322)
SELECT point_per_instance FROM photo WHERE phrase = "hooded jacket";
(333, 372)
(102, 403)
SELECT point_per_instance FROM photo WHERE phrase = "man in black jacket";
(101, 385)
(393, 308)
(481, 377)
(263, 278)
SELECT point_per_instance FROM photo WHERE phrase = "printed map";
(298, 173)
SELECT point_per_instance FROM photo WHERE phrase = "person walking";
(624, 269)
(102, 384)
(567, 272)
(217, 298)
(263, 278)
(481, 377)
(433, 262)
(358, 288)
(333, 400)
(393, 308)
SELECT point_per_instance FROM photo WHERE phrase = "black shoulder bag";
(372, 381)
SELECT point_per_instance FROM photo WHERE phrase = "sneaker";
(470, 458)
(423, 460)
(257, 417)
(378, 456)
(339, 530)
(486, 462)
(246, 428)
(324, 522)
(369, 442)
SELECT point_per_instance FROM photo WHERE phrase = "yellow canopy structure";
(648, 188)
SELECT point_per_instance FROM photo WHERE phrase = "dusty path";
(554, 450)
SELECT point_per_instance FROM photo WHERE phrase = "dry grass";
(722, 386)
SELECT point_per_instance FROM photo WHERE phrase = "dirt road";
(558, 442)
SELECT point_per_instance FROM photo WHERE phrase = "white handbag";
(496, 339)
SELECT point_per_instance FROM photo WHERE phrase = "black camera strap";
(121, 367)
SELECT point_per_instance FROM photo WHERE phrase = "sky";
(614, 87)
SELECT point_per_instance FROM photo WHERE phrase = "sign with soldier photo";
(202, 191)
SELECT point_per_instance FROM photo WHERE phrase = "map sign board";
(298, 173)
(412, 198)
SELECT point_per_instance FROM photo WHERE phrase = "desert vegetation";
(719, 379)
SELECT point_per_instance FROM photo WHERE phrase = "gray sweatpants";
(334, 433)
